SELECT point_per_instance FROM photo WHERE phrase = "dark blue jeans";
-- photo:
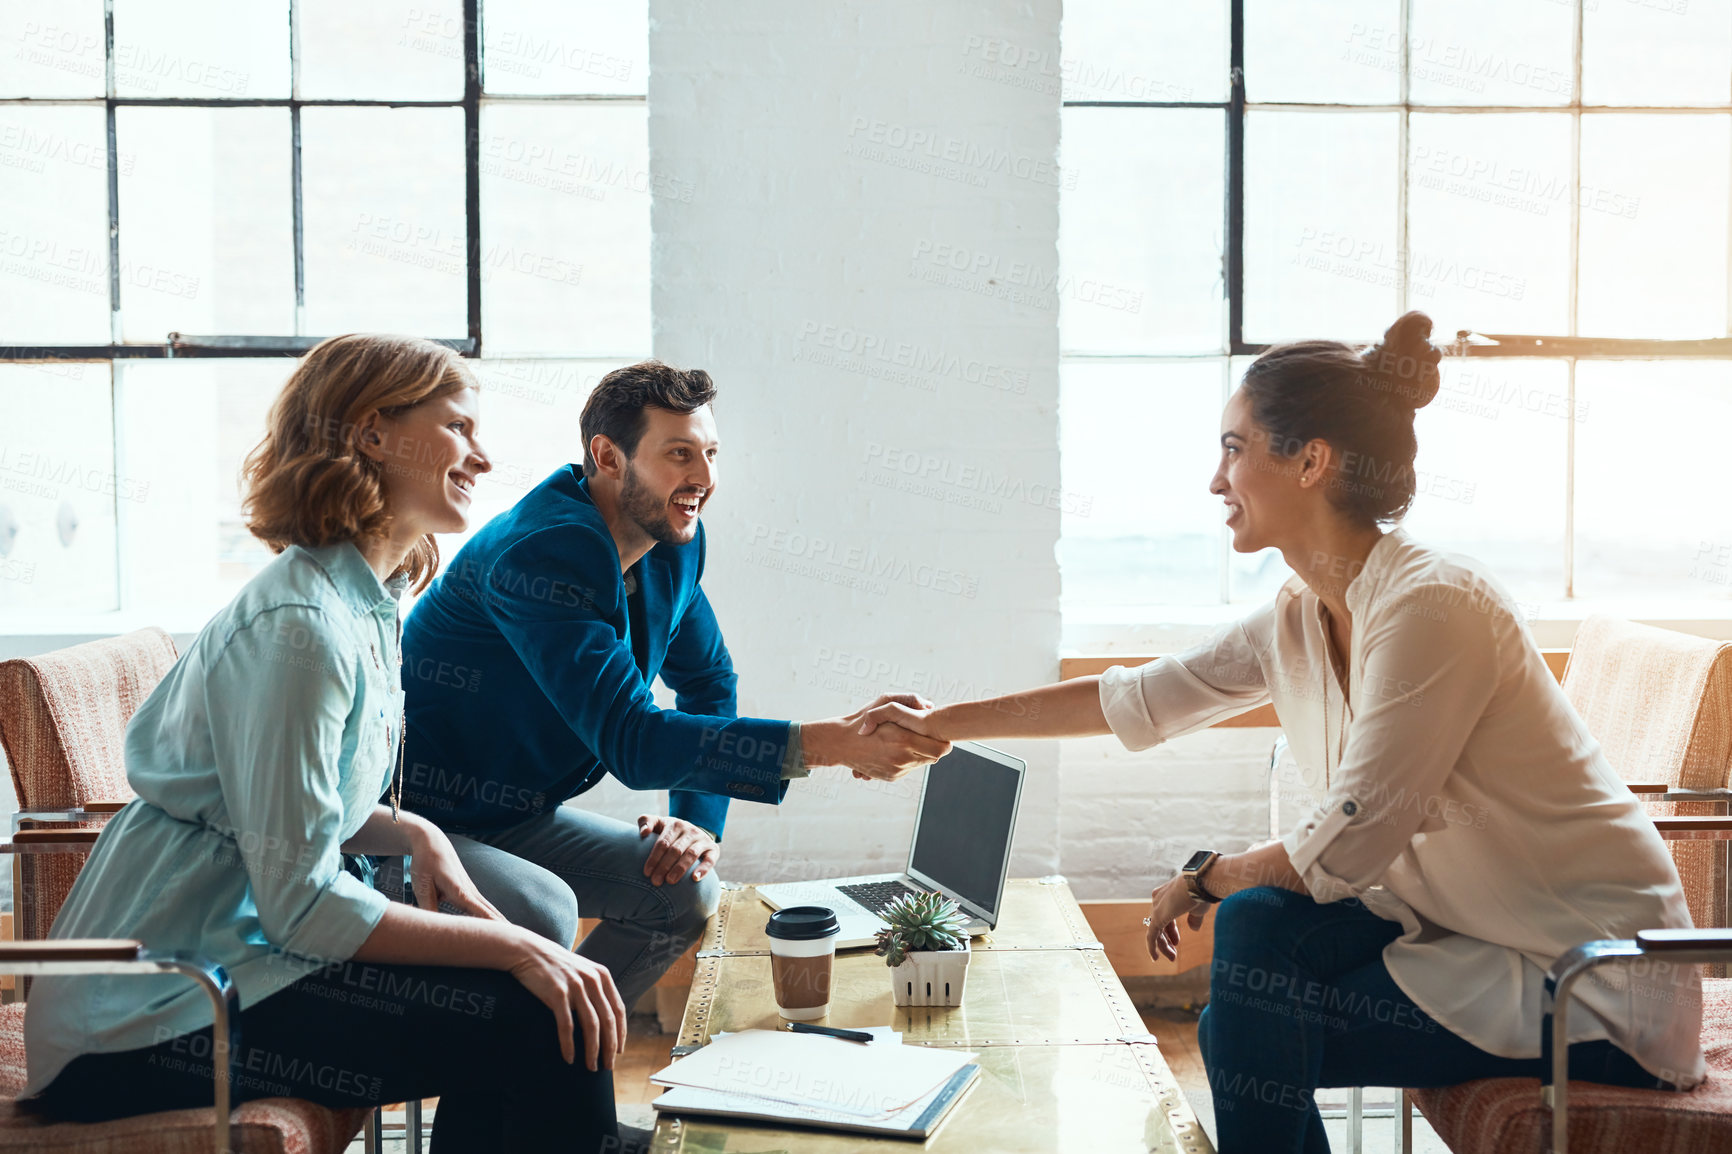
(1299, 998)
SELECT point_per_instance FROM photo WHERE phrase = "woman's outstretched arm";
(1065, 709)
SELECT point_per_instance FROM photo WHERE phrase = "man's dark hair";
(616, 408)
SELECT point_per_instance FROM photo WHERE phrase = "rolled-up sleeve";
(1431, 663)
(280, 699)
(1174, 695)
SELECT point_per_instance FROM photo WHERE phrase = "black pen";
(830, 1032)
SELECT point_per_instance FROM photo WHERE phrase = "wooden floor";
(645, 1053)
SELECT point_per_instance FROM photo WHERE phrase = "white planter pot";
(930, 977)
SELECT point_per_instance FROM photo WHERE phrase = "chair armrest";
(1671, 942)
(76, 956)
(70, 950)
(96, 811)
(49, 841)
(1660, 791)
(51, 836)
(1710, 828)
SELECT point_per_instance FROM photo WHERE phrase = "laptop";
(961, 849)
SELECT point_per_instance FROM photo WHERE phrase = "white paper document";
(870, 1081)
(911, 1121)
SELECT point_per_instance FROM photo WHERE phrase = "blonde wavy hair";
(308, 483)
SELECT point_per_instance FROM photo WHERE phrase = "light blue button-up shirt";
(264, 749)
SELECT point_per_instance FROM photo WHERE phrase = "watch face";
(1197, 860)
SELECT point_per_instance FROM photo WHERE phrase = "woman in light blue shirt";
(260, 760)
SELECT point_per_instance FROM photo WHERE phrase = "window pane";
(1492, 464)
(565, 228)
(1670, 52)
(381, 50)
(1252, 578)
(56, 48)
(1140, 241)
(1491, 52)
(188, 550)
(207, 236)
(559, 47)
(385, 235)
(1489, 221)
(58, 488)
(208, 48)
(1653, 226)
(1657, 527)
(1255, 577)
(1321, 251)
(1117, 51)
(1138, 445)
(1323, 51)
(54, 232)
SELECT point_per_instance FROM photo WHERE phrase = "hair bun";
(1404, 363)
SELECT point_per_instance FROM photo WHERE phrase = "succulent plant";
(919, 922)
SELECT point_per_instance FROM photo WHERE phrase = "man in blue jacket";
(528, 665)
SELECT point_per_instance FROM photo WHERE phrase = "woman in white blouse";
(1468, 829)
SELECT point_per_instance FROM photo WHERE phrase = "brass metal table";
(1066, 1062)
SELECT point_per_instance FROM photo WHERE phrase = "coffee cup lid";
(803, 923)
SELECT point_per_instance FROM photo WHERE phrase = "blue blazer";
(528, 674)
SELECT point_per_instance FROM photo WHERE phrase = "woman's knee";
(518, 1033)
(1251, 918)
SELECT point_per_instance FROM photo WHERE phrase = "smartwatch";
(1200, 864)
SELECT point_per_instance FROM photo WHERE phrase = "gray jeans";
(544, 873)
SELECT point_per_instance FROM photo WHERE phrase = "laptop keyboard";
(875, 896)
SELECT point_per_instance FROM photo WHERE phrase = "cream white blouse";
(1458, 793)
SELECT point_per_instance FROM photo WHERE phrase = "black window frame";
(1472, 344)
(232, 346)
(1568, 348)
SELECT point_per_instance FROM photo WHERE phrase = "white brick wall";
(854, 265)
(1131, 819)
(841, 161)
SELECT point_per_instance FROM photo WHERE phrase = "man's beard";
(648, 513)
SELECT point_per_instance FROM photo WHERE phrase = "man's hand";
(887, 753)
(679, 844)
(439, 874)
(892, 753)
(916, 717)
(1168, 904)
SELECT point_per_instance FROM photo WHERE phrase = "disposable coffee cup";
(802, 958)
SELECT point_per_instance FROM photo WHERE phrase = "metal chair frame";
(128, 957)
(1682, 947)
(37, 841)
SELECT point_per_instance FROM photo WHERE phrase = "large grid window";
(1551, 176)
(198, 190)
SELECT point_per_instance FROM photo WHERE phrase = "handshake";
(881, 742)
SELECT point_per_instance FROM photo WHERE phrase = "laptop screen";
(966, 817)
